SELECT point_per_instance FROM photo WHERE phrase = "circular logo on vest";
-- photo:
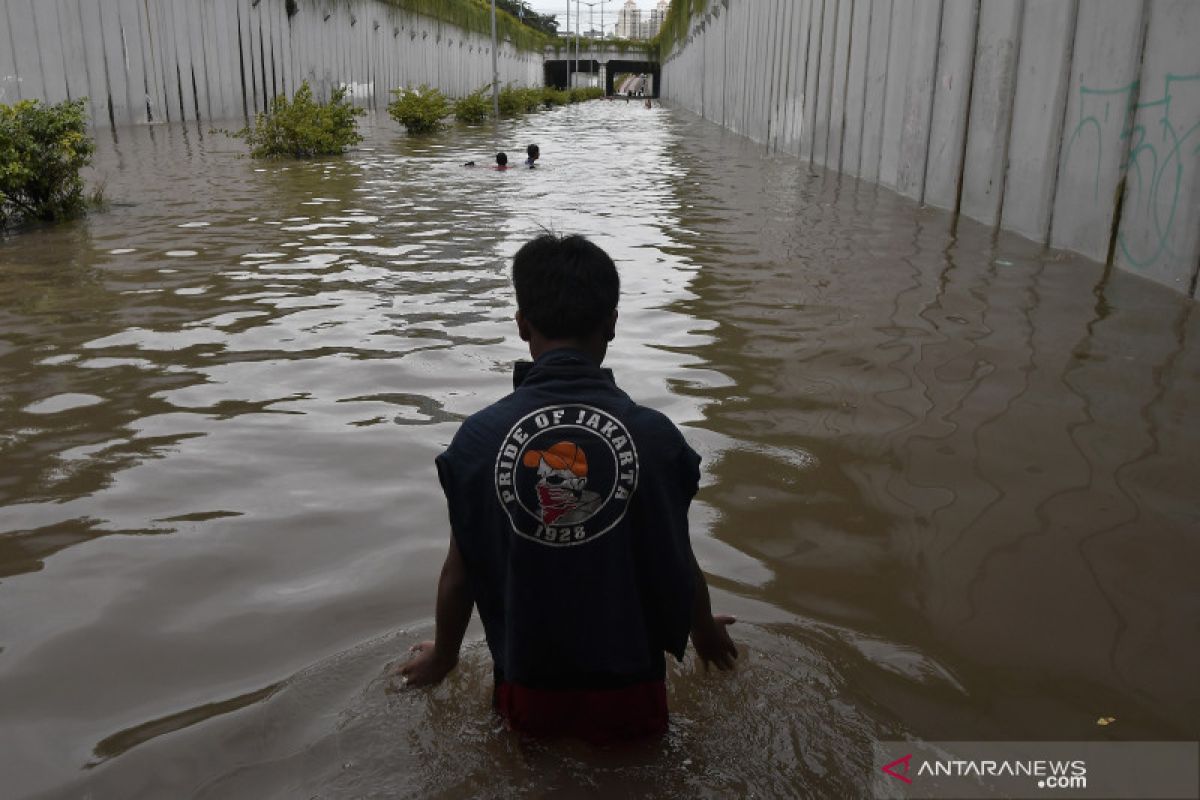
(564, 474)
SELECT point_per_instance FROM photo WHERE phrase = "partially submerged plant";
(419, 110)
(42, 150)
(555, 97)
(512, 101)
(304, 127)
(474, 108)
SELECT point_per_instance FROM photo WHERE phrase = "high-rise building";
(633, 23)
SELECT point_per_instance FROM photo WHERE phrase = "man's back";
(569, 505)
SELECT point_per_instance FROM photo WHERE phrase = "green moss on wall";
(476, 16)
(677, 24)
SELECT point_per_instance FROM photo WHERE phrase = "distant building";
(633, 23)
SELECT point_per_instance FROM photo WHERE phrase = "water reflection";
(947, 488)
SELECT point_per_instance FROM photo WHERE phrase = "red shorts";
(598, 716)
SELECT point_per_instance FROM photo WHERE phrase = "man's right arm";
(434, 660)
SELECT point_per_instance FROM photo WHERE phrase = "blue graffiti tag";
(1155, 176)
(1155, 168)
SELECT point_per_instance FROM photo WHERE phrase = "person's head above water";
(567, 292)
(501, 160)
(533, 152)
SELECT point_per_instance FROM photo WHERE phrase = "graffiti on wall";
(1162, 156)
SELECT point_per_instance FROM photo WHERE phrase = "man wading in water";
(568, 517)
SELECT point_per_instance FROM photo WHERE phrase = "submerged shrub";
(531, 100)
(419, 110)
(42, 150)
(512, 101)
(303, 127)
(474, 108)
(581, 94)
(555, 97)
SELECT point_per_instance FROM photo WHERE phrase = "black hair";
(501, 159)
(532, 151)
(567, 287)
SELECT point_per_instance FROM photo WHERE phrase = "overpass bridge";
(601, 61)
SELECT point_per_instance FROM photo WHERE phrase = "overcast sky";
(559, 9)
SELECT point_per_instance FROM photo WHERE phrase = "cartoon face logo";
(565, 474)
(562, 476)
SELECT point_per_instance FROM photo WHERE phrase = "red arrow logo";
(904, 764)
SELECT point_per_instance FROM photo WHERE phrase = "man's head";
(501, 159)
(533, 152)
(567, 291)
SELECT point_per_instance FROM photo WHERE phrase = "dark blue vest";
(569, 504)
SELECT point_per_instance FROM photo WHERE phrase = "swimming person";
(534, 153)
(569, 525)
(501, 162)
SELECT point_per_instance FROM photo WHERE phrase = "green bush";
(419, 110)
(582, 94)
(303, 127)
(531, 100)
(42, 150)
(555, 97)
(475, 107)
(512, 101)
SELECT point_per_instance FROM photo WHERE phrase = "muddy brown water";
(950, 480)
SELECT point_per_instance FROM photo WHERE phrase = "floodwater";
(950, 480)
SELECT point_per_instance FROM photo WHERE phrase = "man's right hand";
(713, 644)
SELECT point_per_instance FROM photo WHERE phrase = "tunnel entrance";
(557, 73)
(649, 68)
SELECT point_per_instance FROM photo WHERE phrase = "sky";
(559, 9)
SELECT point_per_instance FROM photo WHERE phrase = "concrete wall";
(144, 61)
(1075, 123)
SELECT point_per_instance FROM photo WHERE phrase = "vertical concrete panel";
(773, 29)
(1100, 106)
(918, 98)
(841, 67)
(283, 56)
(856, 86)
(194, 73)
(271, 46)
(114, 61)
(714, 67)
(734, 47)
(74, 64)
(96, 64)
(1159, 235)
(143, 90)
(787, 78)
(23, 33)
(816, 26)
(225, 53)
(50, 52)
(180, 70)
(899, 53)
(825, 81)
(763, 44)
(878, 60)
(254, 65)
(742, 81)
(9, 79)
(160, 108)
(797, 78)
(991, 110)
(948, 123)
(1047, 29)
